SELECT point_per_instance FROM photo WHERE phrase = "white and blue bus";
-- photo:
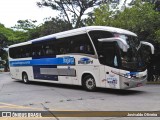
(93, 56)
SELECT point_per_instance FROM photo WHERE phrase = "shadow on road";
(119, 91)
(75, 87)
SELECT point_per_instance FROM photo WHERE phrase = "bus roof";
(76, 32)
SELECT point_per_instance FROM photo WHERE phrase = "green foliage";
(157, 35)
(139, 18)
(7, 37)
(101, 16)
(25, 25)
(4, 59)
(54, 25)
(3, 39)
(11, 35)
(51, 26)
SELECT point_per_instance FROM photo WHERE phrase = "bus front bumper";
(126, 83)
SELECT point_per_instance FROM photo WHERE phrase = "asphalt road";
(17, 96)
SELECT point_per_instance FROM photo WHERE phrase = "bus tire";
(25, 78)
(89, 83)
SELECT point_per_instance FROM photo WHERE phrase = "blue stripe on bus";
(44, 61)
(38, 75)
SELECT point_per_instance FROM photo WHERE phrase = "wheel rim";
(25, 78)
(90, 84)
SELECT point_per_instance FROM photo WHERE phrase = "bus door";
(109, 58)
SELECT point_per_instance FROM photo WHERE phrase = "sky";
(13, 10)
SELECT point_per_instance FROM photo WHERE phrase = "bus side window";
(81, 48)
(81, 44)
(34, 53)
(61, 46)
(49, 51)
(27, 54)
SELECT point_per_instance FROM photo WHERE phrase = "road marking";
(6, 105)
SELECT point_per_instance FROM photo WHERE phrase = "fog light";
(129, 77)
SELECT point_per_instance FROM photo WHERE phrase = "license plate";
(139, 84)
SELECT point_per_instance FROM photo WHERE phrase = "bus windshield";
(132, 59)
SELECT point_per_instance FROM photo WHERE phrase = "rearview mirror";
(148, 44)
(122, 43)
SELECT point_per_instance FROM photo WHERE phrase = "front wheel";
(89, 83)
(25, 78)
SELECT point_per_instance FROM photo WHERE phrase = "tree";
(71, 10)
(12, 35)
(139, 18)
(25, 25)
(54, 25)
(26, 29)
(50, 26)
(100, 16)
(4, 59)
(3, 40)
(3, 53)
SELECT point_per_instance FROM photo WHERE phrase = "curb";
(158, 82)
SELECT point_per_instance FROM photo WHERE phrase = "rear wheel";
(25, 78)
(89, 83)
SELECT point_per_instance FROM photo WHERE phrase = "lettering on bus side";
(111, 79)
(68, 60)
(20, 63)
(85, 60)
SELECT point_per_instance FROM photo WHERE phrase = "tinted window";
(74, 44)
(80, 44)
(108, 54)
(95, 35)
(44, 48)
(20, 52)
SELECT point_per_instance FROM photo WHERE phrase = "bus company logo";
(112, 80)
(85, 60)
(68, 60)
(132, 74)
